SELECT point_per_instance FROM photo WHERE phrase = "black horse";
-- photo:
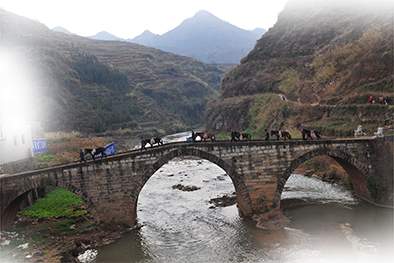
(310, 134)
(155, 140)
(242, 136)
(279, 134)
(96, 151)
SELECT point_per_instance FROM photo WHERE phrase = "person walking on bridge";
(81, 156)
(267, 135)
(143, 143)
(233, 136)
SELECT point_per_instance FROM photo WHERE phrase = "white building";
(16, 146)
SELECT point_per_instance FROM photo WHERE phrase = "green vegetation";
(43, 160)
(55, 203)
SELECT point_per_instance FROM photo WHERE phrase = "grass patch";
(55, 203)
(43, 160)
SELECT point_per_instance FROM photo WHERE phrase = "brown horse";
(279, 134)
(209, 135)
(97, 151)
(310, 134)
(242, 136)
(205, 135)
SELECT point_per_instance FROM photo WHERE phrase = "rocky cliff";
(326, 58)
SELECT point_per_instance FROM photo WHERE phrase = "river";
(181, 226)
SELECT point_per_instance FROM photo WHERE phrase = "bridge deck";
(201, 143)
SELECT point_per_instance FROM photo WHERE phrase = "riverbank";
(54, 240)
(48, 241)
(342, 244)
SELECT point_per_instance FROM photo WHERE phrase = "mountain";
(206, 38)
(73, 83)
(63, 30)
(106, 36)
(326, 58)
(146, 38)
(259, 31)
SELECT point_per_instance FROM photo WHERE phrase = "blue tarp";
(39, 146)
(109, 149)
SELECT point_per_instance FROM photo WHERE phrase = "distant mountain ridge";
(203, 37)
(206, 38)
(63, 30)
(145, 38)
(103, 35)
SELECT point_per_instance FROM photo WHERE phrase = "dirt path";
(298, 102)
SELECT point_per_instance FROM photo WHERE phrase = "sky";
(130, 18)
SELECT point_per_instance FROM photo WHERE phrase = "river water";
(181, 226)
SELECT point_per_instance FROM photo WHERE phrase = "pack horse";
(96, 151)
(205, 135)
(284, 134)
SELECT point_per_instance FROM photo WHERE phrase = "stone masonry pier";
(258, 169)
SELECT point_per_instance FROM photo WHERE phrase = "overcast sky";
(129, 18)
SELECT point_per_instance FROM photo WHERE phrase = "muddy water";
(181, 226)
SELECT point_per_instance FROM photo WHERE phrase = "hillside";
(326, 58)
(72, 83)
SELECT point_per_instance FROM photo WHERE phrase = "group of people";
(382, 100)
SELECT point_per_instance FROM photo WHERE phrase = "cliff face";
(318, 53)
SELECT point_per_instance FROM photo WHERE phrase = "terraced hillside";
(93, 86)
(327, 58)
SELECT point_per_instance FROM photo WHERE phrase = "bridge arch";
(243, 198)
(357, 171)
(14, 202)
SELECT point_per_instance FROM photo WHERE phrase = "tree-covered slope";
(319, 54)
(91, 86)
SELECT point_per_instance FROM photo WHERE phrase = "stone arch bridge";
(259, 170)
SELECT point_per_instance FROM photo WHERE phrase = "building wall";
(15, 143)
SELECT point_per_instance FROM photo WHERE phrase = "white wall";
(15, 142)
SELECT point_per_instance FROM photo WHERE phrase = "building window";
(15, 140)
(1, 132)
(23, 138)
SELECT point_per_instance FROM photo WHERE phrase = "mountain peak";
(203, 13)
(103, 35)
(62, 30)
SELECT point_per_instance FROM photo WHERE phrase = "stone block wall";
(258, 169)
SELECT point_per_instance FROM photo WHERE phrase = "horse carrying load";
(242, 136)
(310, 134)
(205, 135)
(96, 151)
(284, 134)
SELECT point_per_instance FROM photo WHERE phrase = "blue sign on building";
(39, 146)
(109, 149)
